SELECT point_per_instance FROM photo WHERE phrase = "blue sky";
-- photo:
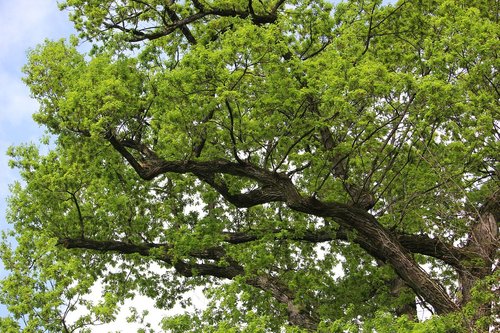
(25, 23)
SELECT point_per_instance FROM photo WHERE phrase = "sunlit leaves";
(389, 110)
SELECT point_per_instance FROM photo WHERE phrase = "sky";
(25, 23)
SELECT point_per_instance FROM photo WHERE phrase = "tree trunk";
(483, 245)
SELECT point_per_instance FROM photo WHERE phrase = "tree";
(315, 167)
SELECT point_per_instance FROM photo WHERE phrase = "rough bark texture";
(388, 246)
(483, 245)
(371, 236)
(472, 262)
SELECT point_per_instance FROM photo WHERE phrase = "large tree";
(314, 166)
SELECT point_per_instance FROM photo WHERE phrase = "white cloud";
(25, 23)
(17, 106)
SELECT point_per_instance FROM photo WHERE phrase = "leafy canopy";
(302, 161)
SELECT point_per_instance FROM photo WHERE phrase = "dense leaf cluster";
(314, 166)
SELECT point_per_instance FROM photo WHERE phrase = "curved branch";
(370, 234)
(296, 314)
(184, 268)
(79, 212)
(421, 244)
(182, 23)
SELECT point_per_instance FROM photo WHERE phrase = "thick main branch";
(421, 244)
(369, 233)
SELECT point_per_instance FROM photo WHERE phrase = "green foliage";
(330, 104)
(46, 284)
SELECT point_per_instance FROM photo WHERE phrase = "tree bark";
(370, 234)
(297, 314)
(483, 246)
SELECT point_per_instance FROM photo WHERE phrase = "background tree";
(271, 144)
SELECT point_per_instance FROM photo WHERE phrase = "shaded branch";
(296, 314)
(241, 200)
(182, 23)
(184, 268)
(183, 28)
(370, 234)
(421, 244)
